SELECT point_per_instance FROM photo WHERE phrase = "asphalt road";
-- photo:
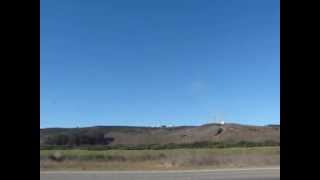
(226, 174)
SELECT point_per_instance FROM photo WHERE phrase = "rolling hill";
(128, 135)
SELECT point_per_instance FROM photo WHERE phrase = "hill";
(132, 136)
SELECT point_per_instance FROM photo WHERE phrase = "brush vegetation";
(158, 159)
(195, 145)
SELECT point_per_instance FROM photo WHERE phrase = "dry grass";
(160, 159)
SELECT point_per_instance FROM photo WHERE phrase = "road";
(226, 174)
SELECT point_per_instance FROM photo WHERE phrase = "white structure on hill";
(219, 120)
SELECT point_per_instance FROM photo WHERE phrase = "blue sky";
(146, 63)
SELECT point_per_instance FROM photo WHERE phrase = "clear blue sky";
(146, 63)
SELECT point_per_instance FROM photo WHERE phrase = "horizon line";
(244, 124)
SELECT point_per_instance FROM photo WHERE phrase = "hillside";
(126, 135)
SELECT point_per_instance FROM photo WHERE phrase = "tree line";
(78, 139)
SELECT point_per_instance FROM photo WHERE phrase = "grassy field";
(158, 159)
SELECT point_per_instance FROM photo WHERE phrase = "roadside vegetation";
(77, 159)
(195, 145)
